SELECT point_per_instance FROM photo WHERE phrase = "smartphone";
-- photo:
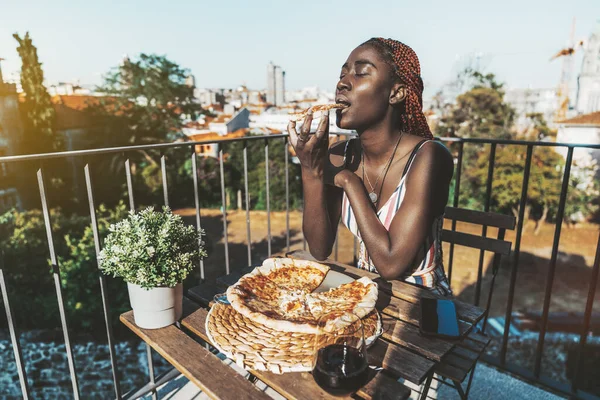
(438, 318)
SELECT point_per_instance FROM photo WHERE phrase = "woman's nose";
(343, 84)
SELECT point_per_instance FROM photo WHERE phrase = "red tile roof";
(585, 119)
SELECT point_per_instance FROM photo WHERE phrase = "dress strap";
(412, 155)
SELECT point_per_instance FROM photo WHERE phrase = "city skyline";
(227, 45)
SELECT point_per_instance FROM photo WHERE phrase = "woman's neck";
(377, 143)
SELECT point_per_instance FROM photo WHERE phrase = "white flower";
(150, 250)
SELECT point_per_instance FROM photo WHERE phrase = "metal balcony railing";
(457, 145)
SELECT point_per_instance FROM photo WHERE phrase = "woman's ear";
(398, 94)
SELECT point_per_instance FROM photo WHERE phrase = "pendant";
(373, 197)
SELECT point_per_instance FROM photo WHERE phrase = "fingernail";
(310, 112)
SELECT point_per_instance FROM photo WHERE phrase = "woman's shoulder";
(434, 156)
(432, 148)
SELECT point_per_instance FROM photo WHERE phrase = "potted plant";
(153, 252)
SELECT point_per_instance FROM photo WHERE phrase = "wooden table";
(401, 352)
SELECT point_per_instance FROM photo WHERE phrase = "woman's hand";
(311, 150)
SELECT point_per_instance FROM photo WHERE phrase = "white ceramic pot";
(157, 307)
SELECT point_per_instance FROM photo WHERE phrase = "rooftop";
(585, 119)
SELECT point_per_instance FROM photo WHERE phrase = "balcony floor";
(488, 383)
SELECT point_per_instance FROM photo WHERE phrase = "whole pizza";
(279, 294)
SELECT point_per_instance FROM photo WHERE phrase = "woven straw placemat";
(254, 346)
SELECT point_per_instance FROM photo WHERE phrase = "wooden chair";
(463, 358)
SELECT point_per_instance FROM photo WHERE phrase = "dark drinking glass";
(340, 365)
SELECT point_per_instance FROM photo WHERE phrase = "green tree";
(545, 180)
(480, 112)
(150, 98)
(256, 174)
(29, 277)
(39, 132)
(39, 135)
(147, 100)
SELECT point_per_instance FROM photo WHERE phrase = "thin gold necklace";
(372, 195)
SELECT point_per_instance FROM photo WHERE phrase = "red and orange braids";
(405, 63)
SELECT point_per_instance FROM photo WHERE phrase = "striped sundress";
(427, 269)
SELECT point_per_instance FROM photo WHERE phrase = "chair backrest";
(498, 246)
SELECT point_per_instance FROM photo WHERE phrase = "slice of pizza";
(358, 297)
(294, 275)
(315, 109)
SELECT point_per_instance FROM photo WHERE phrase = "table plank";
(384, 387)
(408, 336)
(194, 361)
(399, 361)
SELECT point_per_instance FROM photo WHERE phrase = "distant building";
(532, 101)
(69, 89)
(275, 84)
(588, 94)
(224, 126)
(581, 129)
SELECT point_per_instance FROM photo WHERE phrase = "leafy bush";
(30, 284)
(152, 249)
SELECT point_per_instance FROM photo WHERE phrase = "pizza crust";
(315, 109)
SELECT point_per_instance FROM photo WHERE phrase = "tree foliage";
(29, 275)
(479, 112)
(39, 117)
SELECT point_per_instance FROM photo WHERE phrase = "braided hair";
(405, 65)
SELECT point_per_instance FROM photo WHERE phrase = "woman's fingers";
(305, 129)
(323, 128)
(291, 128)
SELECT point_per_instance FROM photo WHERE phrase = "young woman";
(390, 185)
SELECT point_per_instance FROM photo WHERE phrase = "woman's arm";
(322, 203)
(427, 185)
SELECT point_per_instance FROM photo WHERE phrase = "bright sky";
(227, 43)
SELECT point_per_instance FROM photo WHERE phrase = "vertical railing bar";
(247, 194)
(267, 184)
(455, 204)
(223, 202)
(102, 279)
(57, 284)
(550, 278)
(16, 344)
(516, 253)
(151, 370)
(488, 195)
(587, 315)
(132, 208)
(163, 169)
(197, 204)
(129, 185)
(287, 195)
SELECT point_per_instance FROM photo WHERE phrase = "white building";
(530, 101)
(312, 93)
(275, 84)
(588, 96)
(581, 129)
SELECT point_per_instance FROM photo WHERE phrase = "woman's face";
(365, 85)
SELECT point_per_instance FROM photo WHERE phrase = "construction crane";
(562, 92)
